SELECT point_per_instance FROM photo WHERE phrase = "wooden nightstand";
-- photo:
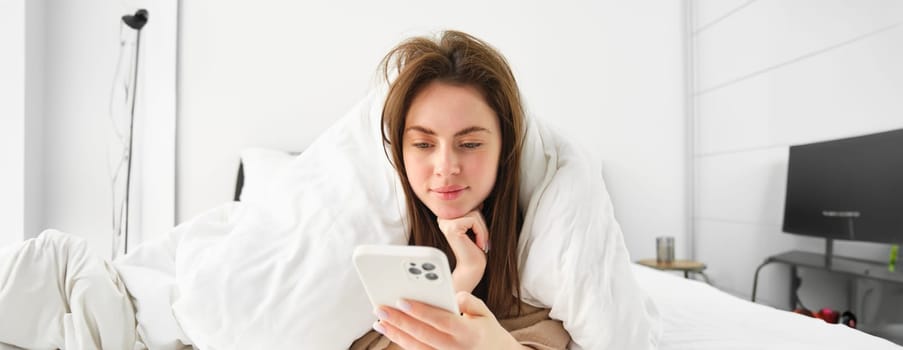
(687, 266)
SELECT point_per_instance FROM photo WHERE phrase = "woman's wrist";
(465, 279)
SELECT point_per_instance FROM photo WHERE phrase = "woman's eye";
(422, 145)
(471, 145)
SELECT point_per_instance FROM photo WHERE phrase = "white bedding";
(55, 295)
(697, 316)
(694, 315)
(277, 272)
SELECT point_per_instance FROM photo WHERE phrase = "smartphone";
(393, 272)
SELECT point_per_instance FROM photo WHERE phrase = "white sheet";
(696, 316)
(279, 275)
(54, 294)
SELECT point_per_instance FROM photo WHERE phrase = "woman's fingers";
(438, 318)
(398, 336)
(456, 235)
(471, 221)
(404, 328)
(416, 325)
(480, 230)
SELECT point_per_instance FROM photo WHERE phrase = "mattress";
(698, 316)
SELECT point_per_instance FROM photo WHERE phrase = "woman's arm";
(470, 256)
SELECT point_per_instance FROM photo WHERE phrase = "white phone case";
(393, 272)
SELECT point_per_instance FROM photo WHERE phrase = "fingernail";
(403, 305)
(486, 246)
(382, 315)
(379, 328)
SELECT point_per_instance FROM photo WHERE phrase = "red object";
(827, 315)
(802, 311)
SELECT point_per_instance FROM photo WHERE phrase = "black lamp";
(135, 21)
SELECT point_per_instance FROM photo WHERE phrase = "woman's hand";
(415, 325)
(470, 257)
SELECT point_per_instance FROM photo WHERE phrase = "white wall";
(80, 56)
(12, 120)
(34, 117)
(276, 74)
(770, 74)
(73, 49)
(21, 108)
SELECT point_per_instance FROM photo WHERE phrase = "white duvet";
(276, 272)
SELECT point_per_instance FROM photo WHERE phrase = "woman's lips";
(449, 192)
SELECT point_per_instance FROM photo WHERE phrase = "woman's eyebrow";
(420, 129)
(470, 130)
(466, 131)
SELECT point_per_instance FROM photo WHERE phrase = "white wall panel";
(79, 75)
(849, 91)
(734, 250)
(770, 32)
(745, 187)
(785, 73)
(12, 120)
(710, 12)
(35, 28)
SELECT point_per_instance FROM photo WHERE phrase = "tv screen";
(858, 179)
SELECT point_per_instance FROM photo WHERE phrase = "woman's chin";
(449, 212)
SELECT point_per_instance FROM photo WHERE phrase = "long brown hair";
(460, 59)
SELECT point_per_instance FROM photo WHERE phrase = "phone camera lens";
(432, 276)
(414, 271)
(428, 266)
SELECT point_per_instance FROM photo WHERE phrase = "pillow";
(275, 272)
(259, 167)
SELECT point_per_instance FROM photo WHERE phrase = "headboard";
(240, 177)
(239, 180)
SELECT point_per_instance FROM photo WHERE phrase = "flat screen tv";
(847, 189)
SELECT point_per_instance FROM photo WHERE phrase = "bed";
(698, 316)
(273, 270)
(694, 315)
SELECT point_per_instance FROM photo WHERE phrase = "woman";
(454, 122)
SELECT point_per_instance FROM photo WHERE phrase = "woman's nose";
(446, 162)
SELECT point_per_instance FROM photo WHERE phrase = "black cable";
(128, 172)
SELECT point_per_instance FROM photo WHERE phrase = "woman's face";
(451, 148)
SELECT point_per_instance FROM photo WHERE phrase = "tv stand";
(849, 216)
(848, 266)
